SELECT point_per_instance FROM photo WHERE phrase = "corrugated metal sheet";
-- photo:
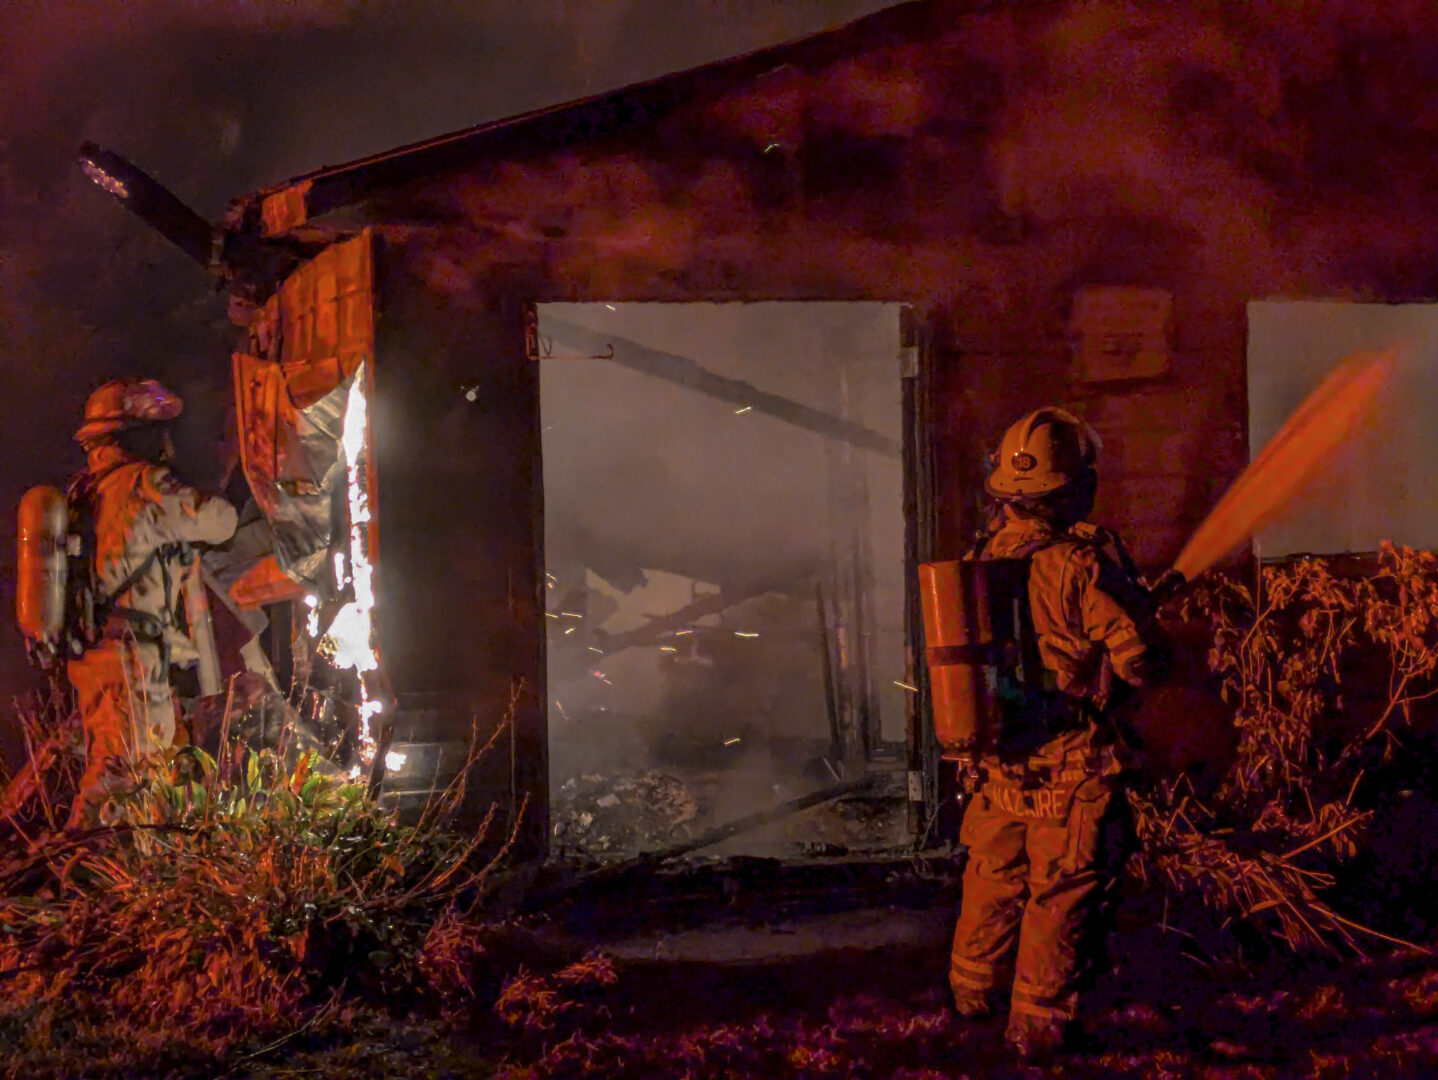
(327, 318)
(291, 409)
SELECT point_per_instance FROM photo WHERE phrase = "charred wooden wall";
(458, 493)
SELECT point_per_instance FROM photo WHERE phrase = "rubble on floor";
(621, 814)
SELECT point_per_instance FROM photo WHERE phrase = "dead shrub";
(1327, 676)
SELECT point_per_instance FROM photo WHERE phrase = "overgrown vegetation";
(1332, 681)
(231, 901)
(239, 909)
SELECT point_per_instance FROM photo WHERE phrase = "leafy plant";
(232, 899)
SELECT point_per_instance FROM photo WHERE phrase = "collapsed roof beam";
(691, 374)
(662, 625)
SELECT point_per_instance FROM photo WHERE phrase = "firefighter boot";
(972, 1005)
(1036, 1043)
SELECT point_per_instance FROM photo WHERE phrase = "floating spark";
(906, 686)
(394, 760)
(745, 633)
(745, 409)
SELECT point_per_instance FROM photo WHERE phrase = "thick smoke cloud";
(221, 97)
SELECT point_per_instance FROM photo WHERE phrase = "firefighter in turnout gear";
(1039, 827)
(142, 519)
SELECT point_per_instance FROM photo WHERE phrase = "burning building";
(1040, 202)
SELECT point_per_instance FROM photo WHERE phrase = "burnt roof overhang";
(275, 210)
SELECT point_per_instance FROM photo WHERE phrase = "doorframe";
(920, 499)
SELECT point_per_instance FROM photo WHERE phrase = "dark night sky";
(220, 97)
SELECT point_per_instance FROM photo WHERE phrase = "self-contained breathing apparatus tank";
(982, 653)
(41, 570)
(55, 601)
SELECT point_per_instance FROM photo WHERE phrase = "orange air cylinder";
(43, 528)
(959, 633)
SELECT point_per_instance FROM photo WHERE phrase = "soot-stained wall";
(981, 162)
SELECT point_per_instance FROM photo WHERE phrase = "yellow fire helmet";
(1046, 450)
(127, 403)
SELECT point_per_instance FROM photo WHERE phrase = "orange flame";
(349, 641)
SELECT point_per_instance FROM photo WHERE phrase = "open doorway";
(724, 546)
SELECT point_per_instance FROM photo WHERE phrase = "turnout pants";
(1039, 867)
(127, 712)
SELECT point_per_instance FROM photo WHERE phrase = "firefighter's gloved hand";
(1165, 586)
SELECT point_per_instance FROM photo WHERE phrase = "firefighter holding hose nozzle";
(1033, 639)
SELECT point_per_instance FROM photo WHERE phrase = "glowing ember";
(113, 184)
(349, 642)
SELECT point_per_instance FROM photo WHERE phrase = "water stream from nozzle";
(1305, 442)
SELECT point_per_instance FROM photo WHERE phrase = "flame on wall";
(349, 641)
